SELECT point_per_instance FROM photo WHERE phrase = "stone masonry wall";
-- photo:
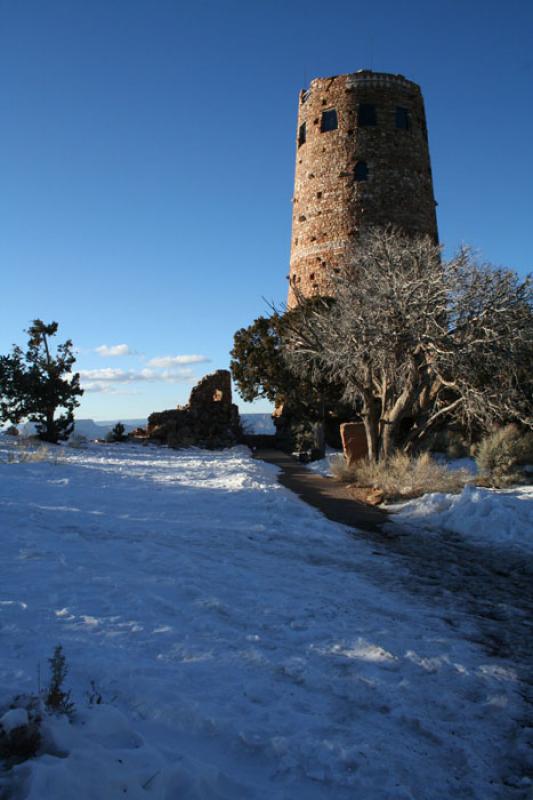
(209, 419)
(332, 199)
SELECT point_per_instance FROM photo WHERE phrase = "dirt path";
(328, 495)
(485, 594)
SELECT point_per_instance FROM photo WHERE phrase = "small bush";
(58, 701)
(502, 456)
(117, 434)
(20, 742)
(340, 468)
(20, 721)
(401, 477)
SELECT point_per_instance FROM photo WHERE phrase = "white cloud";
(109, 375)
(171, 361)
(113, 350)
(107, 388)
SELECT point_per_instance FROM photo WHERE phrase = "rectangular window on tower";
(366, 115)
(329, 121)
(402, 119)
(301, 134)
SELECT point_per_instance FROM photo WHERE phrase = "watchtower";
(362, 160)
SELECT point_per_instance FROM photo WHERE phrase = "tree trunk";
(388, 439)
(51, 434)
(319, 439)
(371, 423)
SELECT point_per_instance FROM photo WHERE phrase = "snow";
(501, 518)
(238, 640)
(322, 466)
(13, 719)
(465, 463)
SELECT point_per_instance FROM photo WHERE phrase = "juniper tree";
(36, 384)
(259, 369)
(118, 433)
(416, 340)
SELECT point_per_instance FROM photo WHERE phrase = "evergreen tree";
(36, 384)
(118, 433)
(260, 368)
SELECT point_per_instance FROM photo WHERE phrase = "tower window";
(361, 171)
(329, 121)
(301, 134)
(366, 115)
(402, 119)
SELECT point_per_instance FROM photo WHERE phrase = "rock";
(374, 497)
(367, 494)
(209, 419)
(353, 439)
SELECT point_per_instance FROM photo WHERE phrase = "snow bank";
(244, 646)
(323, 465)
(501, 518)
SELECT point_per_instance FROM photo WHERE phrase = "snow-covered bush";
(20, 734)
(502, 456)
(401, 477)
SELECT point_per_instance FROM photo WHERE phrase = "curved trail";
(328, 495)
(484, 594)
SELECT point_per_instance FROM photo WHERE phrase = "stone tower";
(362, 159)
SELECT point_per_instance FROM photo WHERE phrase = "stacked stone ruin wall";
(331, 207)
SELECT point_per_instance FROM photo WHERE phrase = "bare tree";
(416, 340)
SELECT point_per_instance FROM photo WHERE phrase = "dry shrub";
(502, 456)
(340, 469)
(25, 452)
(401, 477)
(450, 441)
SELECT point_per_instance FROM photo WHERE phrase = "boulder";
(353, 439)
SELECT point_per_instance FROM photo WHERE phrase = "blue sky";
(147, 159)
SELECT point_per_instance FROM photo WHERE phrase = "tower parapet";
(362, 160)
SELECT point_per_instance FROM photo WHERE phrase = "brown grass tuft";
(401, 477)
(502, 455)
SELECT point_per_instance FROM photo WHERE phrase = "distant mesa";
(86, 427)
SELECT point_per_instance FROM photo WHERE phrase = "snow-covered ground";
(499, 517)
(239, 643)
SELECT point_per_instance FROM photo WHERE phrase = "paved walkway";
(330, 496)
